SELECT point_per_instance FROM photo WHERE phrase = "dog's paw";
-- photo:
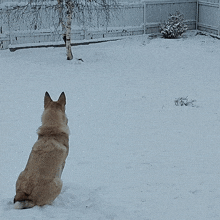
(23, 205)
(18, 205)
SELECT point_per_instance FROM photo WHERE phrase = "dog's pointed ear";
(62, 99)
(47, 99)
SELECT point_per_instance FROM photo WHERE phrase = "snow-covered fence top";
(31, 24)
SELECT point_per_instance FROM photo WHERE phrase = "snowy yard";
(134, 154)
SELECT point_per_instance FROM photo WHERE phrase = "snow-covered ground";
(134, 154)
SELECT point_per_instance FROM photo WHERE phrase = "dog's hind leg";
(44, 194)
(60, 170)
(20, 196)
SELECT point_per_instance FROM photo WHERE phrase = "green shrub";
(174, 27)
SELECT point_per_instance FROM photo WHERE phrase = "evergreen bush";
(174, 27)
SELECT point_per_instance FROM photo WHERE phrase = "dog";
(40, 182)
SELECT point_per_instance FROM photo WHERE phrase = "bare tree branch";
(36, 13)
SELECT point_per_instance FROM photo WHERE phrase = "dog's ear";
(47, 99)
(62, 99)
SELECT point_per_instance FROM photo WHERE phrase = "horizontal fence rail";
(22, 24)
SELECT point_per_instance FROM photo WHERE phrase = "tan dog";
(40, 182)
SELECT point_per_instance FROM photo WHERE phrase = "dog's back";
(40, 183)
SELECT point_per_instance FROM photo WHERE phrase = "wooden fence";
(209, 16)
(19, 26)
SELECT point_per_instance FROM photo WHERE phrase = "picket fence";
(40, 25)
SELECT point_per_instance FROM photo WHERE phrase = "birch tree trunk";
(68, 30)
(67, 20)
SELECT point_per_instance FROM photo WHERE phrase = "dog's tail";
(21, 201)
(23, 204)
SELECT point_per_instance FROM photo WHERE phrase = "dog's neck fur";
(55, 132)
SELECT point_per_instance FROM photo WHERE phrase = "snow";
(134, 154)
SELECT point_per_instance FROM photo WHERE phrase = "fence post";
(84, 24)
(9, 27)
(219, 17)
(144, 17)
(197, 14)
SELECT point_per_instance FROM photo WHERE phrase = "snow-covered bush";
(184, 102)
(174, 27)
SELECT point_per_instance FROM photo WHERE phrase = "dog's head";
(54, 111)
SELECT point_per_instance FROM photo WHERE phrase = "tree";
(35, 15)
(76, 7)
(174, 27)
(67, 36)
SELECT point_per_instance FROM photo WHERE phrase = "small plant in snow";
(174, 27)
(184, 102)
